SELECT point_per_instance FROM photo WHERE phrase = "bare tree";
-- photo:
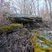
(30, 7)
(38, 7)
(50, 1)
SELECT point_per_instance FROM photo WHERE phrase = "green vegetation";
(44, 42)
(11, 27)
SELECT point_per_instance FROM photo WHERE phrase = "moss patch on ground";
(11, 27)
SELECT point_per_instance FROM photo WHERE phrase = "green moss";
(10, 27)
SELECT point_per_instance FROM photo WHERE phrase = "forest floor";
(14, 37)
